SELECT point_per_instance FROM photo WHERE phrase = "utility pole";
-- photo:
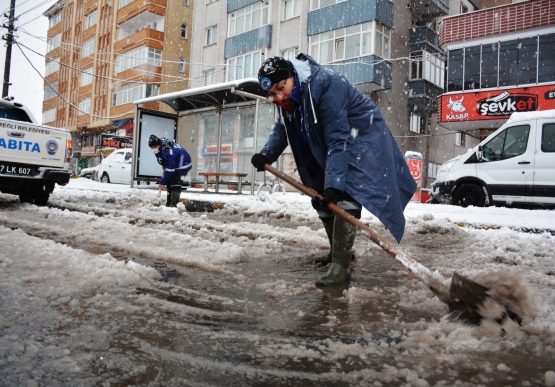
(9, 41)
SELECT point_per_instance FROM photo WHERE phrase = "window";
(211, 35)
(50, 91)
(464, 8)
(138, 56)
(430, 67)
(291, 9)
(248, 18)
(460, 138)
(133, 92)
(548, 138)
(49, 116)
(490, 57)
(87, 77)
(210, 1)
(123, 3)
(88, 48)
(183, 31)
(85, 139)
(54, 42)
(417, 123)
(51, 67)
(433, 169)
(546, 70)
(209, 77)
(315, 4)
(472, 68)
(85, 106)
(90, 20)
(455, 70)
(351, 42)
(244, 66)
(186, 2)
(507, 144)
(290, 53)
(55, 19)
(181, 65)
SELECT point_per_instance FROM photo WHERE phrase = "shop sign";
(225, 149)
(118, 142)
(496, 104)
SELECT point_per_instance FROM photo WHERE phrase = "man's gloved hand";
(258, 160)
(331, 195)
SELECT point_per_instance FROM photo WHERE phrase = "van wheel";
(105, 178)
(470, 195)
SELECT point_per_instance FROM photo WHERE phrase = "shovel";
(464, 295)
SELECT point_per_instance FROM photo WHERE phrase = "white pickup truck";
(33, 157)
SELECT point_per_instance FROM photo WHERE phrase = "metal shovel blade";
(466, 297)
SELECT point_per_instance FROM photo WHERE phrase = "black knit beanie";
(274, 70)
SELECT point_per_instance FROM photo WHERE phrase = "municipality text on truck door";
(515, 165)
(33, 158)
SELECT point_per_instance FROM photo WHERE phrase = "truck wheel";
(37, 198)
(470, 195)
(105, 178)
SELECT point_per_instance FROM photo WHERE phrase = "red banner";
(495, 104)
(415, 168)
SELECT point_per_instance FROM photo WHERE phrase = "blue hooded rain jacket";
(173, 158)
(350, 141)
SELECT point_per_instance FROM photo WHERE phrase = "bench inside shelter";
(217, 175)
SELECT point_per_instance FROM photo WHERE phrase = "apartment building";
(104, 54)
(388, 49)
(500, 60)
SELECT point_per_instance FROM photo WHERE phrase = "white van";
(514, 165)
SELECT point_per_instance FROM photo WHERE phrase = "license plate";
(10, 169)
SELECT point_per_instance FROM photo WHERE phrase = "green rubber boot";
(175, 195)
(343, 239)
(324, 258)
(168, 198)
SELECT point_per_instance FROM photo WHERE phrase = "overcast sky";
(27, 85)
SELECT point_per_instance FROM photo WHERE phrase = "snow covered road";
(106, 287)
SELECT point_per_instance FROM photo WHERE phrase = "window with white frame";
(55, 19)
(460, 139)
(123, 3)
(54, 42)
(417, 123)
(183, 33)
(350, 42)
(51, 67)
(181, 65)
(210, 1)
(315, 4)
(50, 91)
(87, 76)
(433, 169)
(90, 19)
(211, 35)
(244, 66)
(186, 2)
(138, 56)
(209, 77)
(85, 106)
(88, 48)
(133, 92)
(248, 18)
(290, 53)
(425, 65)
(48, 116)
(291, 9)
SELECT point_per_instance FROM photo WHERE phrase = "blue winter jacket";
(350, 141)
(172, 157)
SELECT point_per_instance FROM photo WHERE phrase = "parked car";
(88, 173)
(116, 168)
(515, 165)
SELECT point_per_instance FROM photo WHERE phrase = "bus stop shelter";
(220, 125)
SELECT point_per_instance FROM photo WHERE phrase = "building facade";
(104, 54)
(389, 50)
(500, 60)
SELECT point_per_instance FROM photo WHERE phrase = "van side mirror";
(480, 153)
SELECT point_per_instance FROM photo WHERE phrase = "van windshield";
(14, 114)
(509, 143)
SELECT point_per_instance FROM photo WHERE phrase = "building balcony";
(423, 96)
(139, 7)
(425, 10)
(423, 38)
(499, 20)
(148, 37)
(364, 73)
